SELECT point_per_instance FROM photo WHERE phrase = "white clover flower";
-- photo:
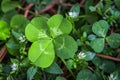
(81, 55)
(73, 14)
(22, 38)
(14, 67)
(112, 77)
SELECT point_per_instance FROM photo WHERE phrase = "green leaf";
(39, 6)
(100, 28)
(36, 29)
(91, 18)
(79, 42)
(99, 5)
(70, 63)
(25, 62)
(106, 65)
(18, 23)
(88, 3)
(59, 25)
(98, 74)
(97, 44)
(16, 34)
(54, 69)
(113, 40)
(75, 8)
(33, 1)
(97, 61)
(89, 55)
(65, 46)
(46, 2)
(31, 72)
(92, 8)
(86, 28)
(6, 68)
(117, 3)
(12, 47)
(10, 77)
(4, 30)
(84, 34)
(86, 74)
(60, 78)
(92, 37)
(114, 75)
(14, 60)
(7, 16)
(8, 5)
(0, 68)
(41, 53)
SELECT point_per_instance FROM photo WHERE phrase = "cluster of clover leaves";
(101, 28)
(50, 38)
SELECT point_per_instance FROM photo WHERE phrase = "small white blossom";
(73, 14)
(14, 67)
(81, 55)
(22, 38)
(112, 77)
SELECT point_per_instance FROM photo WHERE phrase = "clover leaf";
(86, 74)
(36, 29)
(89, 55)
(114, 40)
(100, 28)
(54, 69)
(41, 53)
(65, 46)
(18, 23)
(4, 30)
(97, 44)
(106, 65)
(8, 5)
(58, 25)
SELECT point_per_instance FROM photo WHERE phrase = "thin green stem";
(74, 29)
(82, 16)
(68, 68)
(59, 9)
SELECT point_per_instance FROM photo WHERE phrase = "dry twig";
(3, 53)
(108, 57)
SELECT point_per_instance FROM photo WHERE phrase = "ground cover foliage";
(59, 39)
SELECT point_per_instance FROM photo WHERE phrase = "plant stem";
(24, 10)
(68, 68)
(108, 57)
(59, 9)
(27, 9)
(3, 52)
(82, 3)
